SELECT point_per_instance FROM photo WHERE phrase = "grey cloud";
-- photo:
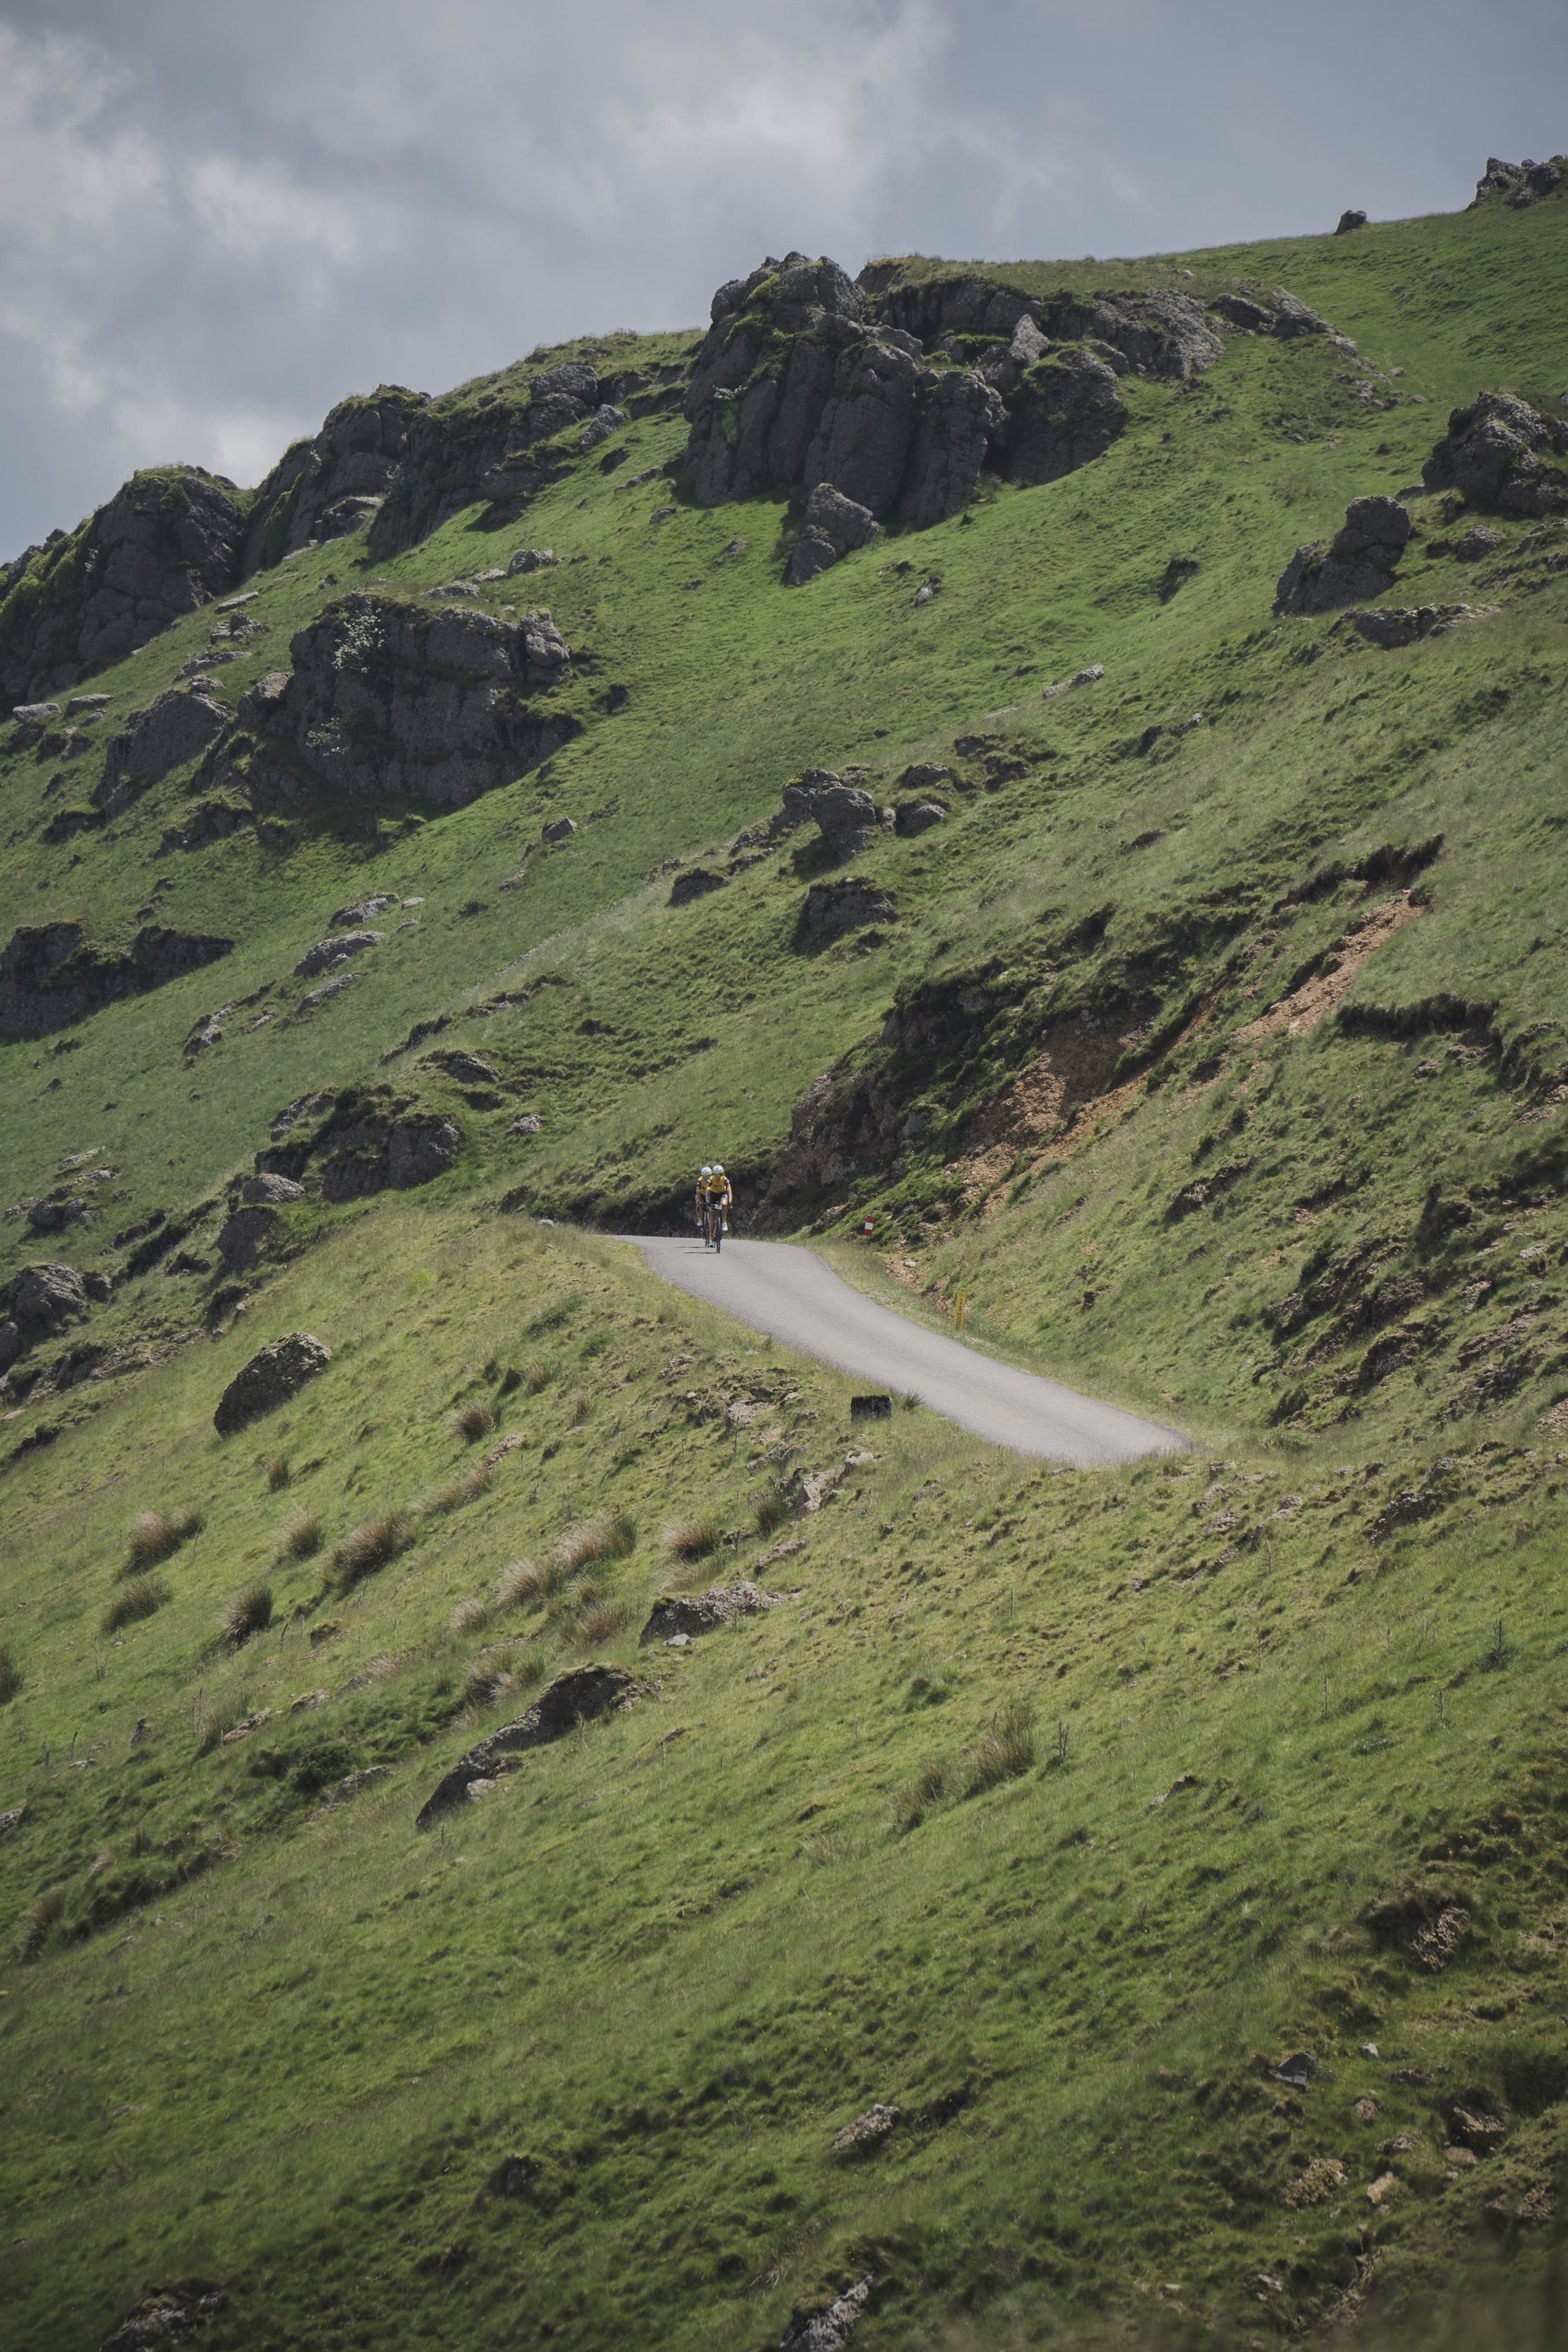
(219, 221)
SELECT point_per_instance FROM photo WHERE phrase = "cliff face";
(332, 485)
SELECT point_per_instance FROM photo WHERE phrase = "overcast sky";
(215, 219)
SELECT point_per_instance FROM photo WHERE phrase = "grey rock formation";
(239, 1243)
(467, 1069)
(833, 524)
(1348, 221)
(959, 414)
(863, 438)
(1359, 561)
(327, 954)
(832, 908)
(165, 544)
(10, 1348)
(722, 1604)
(847, 818)
(334, 483)
(269, 1379)
(924, 777)
(1519, 184)
(418, 1150)
(1065, 412)
(830, 2329)
(50, 976)
(42, 1297)
(911, 817)
(530, 559)
(274, 1191)
(1498, 454)
(576, 1697)
(800, 798)
(459, 450)
(176, 728)
(388, 699)
(561, 828)
(605, 420)
(364, 910)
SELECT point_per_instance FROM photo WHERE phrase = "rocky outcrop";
(50, 976)
(575, 1697)
(371, 1140)
(704, 1613)
(911, 817)
(333, 484)
(847, 818)
(1359, 561)
(327, 955)
(1349, 220)
(165, 544)
(474, 447)
(1065, 413)
(42, 1297)
(269, 1379)
(833, 525)
(240, 1240)
(386, 699)
(1517, 184)
(1498, 454)
(176, 728)
(828, 2330)
(832, 909)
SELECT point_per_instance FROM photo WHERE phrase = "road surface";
(792, 1293)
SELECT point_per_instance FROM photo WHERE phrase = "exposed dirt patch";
(1326, 988)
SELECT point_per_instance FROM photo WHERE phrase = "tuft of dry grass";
(469, 1615)
(46, 1909)
(1006, 1749)
(209, 1729)
(912, 1804)
(371, 1546)
(10, 1676)
(528, 1584)
(770, 1511)
(592, 1540)
(156, 1536)
(276, 1474)
(138, 1597)
(474, 1419)
(250, 1612)
(503, 1673)
(458, 1491)
(601, 1620)
(538, 1377)
(582, 1406)
(302, 1537)
(693, 1538)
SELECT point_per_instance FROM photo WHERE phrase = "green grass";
(1051, 1807)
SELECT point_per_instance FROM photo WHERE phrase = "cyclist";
(705, 1172)
(721, 1200)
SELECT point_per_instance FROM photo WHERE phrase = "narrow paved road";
(793, 1295)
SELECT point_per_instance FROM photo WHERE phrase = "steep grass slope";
(1215, 1047)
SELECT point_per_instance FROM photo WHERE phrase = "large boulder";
(1498, 454)
(1358, 563)
(165, 544)
(176, 728)
(573, 1698)
(333, 484)
(1066, 412)
(51, 975)
(847, 818)
(239, 1244)
(832, 908)
(833, 525)
(269, 1379)
(42, 1297)
(387, 699)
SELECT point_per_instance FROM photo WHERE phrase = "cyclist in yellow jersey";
(721, 1200)
(705, 1172)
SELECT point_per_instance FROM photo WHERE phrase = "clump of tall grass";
(601, 1619)
(276, 1474)
(503, 1673)
(457, 1492)
(912, 1804)
(474, 1419)
(469, 1615)
(529, 1583)
(10, 1676)
(770, 1511)
(592, 1540)
(302, 1537)
(250, 1612)
(538, 1377)
(46, 1909)
(138, 1597)
(582, 1406)
(156, 1536)
(371, 1546)
(693, 1538)
(1006, 1749)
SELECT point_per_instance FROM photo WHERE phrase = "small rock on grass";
(720, 1605)
(826, 2331)
(864, 2133)
(576, 1697)
(269, 1379)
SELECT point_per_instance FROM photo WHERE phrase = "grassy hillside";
(1215, 1048)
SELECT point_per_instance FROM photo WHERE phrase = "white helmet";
(717, 1167)
(705, 1170)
